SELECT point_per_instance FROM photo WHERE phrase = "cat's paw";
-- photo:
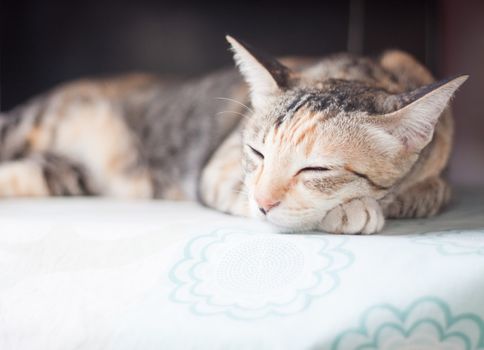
(360, 215)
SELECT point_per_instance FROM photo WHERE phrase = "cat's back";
(155, 108)
(394, 70)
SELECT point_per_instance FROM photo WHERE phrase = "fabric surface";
(101, 274)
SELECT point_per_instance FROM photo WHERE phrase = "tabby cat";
(334, 144)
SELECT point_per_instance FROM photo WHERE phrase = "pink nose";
(266, 204)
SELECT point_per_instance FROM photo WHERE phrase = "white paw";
(360, 215)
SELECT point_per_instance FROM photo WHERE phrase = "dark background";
(46, 42)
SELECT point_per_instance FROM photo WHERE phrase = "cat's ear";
(265, 75)
(414, 123)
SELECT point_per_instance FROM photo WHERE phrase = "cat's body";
(151, 135)
(145, 137)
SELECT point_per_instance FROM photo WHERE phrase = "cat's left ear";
(414, 123)
(265, 75)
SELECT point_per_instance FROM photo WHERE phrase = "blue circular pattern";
(249, 275)
(426, 324)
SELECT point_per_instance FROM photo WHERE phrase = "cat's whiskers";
(233, 112)
(238, 102)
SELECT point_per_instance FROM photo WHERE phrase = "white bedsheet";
(101, 274)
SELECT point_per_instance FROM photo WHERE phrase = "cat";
(335, 144)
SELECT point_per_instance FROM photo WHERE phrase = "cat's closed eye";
(256, 152)
(313, 168)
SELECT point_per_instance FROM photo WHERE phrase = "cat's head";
(310, 145)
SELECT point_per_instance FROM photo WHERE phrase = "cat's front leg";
(221, 185)
(357, 216)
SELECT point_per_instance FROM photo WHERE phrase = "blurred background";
(47, 42)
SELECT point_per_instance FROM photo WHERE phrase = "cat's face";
(301, 166)
(307, 149)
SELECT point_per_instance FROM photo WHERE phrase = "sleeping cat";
(334, 144)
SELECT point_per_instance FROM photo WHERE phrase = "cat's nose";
(266, 204)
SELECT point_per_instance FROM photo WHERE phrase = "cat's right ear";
(414, 123)
(265, 75)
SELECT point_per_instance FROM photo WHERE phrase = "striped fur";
(345, 141)
(333, 144)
